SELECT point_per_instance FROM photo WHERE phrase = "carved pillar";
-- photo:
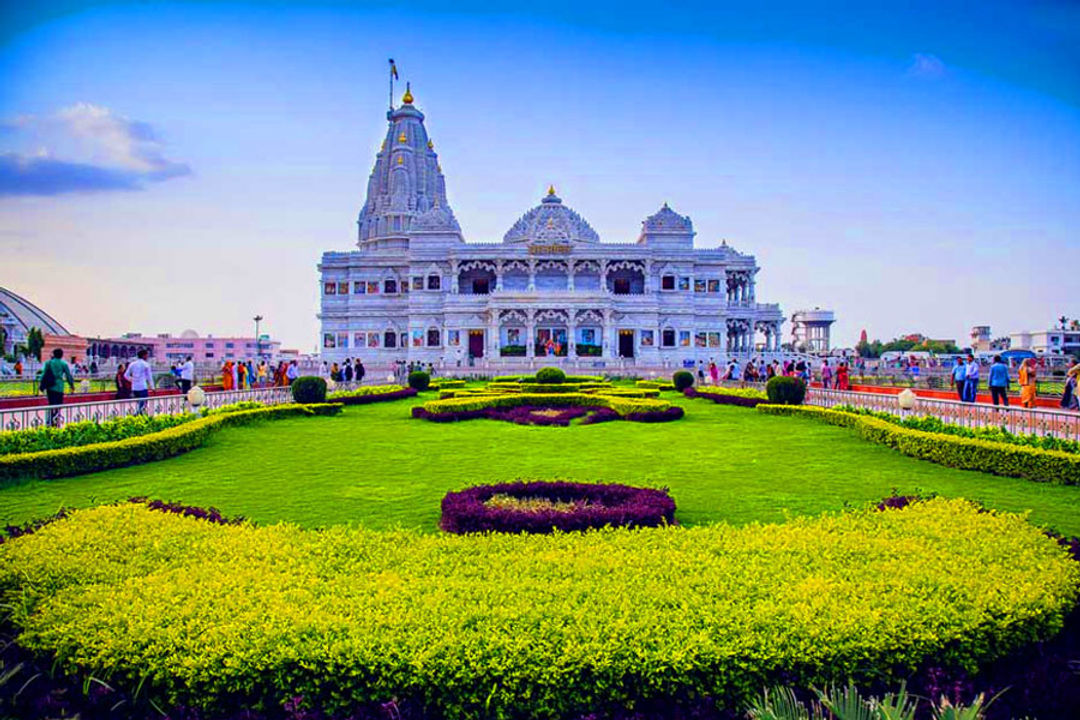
(607, 350)
(453, 277)
(571, 333)
(647, 272)
(493, 334)
(530, 333)
(498, 276)
(570, 275)
(532, 276)
(603, 276)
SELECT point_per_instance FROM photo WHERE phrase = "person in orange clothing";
(241, 376)
(1028, 383)
(227, 375)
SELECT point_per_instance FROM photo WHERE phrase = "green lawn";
(376, 466)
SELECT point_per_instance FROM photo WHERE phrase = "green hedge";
(532, 378)
(222, 617)
(621, 405)
(655, 385)
(447, 385)
(144, 448)
(309, 389)
(950, 450)
(751, 393)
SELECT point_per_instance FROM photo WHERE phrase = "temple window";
(373, 288)
(684, 338)
(390, 339)
(434, 282)
(390, 286)
(714, 286)
(343, 288)
(359, 287)
(684, 283)
(667, 338)
(667, 282)
(330, 288)
(433, 337)
(699, 286)
(418, 283)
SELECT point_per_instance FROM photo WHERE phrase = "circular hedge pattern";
(565, 506)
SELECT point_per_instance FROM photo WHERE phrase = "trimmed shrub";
(741, 397)
(419, 380)
(682, 379)
(144, 448)
(309, 389)
(87, 433)
(372, 394)
(225, 618)
(950, 450)
(654, 385)
(569, 506)
(785, 390)
(550, 376)
(448, 384)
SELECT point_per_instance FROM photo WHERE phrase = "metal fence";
(60, 415)
(1017, 420)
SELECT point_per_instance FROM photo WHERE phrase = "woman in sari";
(123, 385)
(842, 377)
(1028, 383)
(241, 376)
(227, 375)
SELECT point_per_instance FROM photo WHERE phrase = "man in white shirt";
(141, 377)
(293, 372)
(187, 375)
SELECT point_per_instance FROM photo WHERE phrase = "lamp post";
(258, 345)
(906, 401)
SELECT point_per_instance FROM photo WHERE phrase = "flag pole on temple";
(393, 77)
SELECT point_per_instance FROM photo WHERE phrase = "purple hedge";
(724, 399)
(528, 415)
(598, 505)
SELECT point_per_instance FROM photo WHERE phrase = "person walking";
(959, 373)
(348, 370)
(998, 381)
(971, 380)
(54, 374)
(1070, 400)
(141, 377)
(842, 382)
(263, 372)
(826, 374)
(227, 376)
(714, 373)
(359, 372)
(123, 385)
(241, 376)
(292, 373)
(1028, 378)
(187, 375)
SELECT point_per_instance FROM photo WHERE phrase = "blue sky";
(916, 168)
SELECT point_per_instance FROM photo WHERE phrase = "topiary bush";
(309, 389)
(784, 390)
(682, 379)
(550, 376)
(419, 380)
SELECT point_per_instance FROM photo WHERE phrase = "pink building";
(167, 349)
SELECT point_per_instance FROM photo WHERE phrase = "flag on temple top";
(393, 69)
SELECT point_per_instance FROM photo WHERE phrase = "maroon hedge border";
(379, 397)
(724, 399)
(601, 505)
(525, 415)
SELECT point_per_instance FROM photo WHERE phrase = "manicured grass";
(376, 466)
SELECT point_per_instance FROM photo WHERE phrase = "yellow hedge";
(527, 626)
(949, 450)
(144, 448)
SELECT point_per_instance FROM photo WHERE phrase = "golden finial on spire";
(401, 138)
(407, 97)
(551, 190)
(430, 145)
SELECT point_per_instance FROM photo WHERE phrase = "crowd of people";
(761, 371)
(246, 374)
(348, 371)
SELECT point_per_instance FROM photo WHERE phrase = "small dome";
(667, 220)
(551, 221)
(189, 334)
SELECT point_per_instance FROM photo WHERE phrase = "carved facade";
(415, 290)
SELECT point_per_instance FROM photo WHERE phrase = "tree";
(35, 341)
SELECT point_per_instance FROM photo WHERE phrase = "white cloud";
(926, 65)
(84, 148)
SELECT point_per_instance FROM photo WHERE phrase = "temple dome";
(23, 315)
(667, 220)
(551, 221)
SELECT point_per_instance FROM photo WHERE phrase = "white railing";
(1017, 420)
(29, 418)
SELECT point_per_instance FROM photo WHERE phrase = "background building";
(166, 349)
(810, 330)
